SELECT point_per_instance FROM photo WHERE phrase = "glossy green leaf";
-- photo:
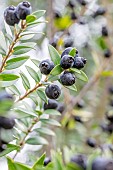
(26, 112)
(9, 148)
(52, 112)
(75, 70)
(39, 162)
(82, 76)
(36, 62)
(42, 95)
(8, 77)
(56, 70)
(55, 56)
(72, 52)
(14, 89)
(33, 74)
(73, 87)
(3, 41)
(37, 140)
(45, 131)
(16, 62)
(39, 13)
(10, 163)
(30, 18)
(25, 81)
(50, 121)
(102, 44)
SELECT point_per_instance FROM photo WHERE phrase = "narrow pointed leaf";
(33, 74)
(37, 140)
(55, 56)
(8, 77)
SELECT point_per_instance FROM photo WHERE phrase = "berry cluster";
(13, 15)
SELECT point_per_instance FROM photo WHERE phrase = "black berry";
(67, 78)
(102, 163)
(81, 160)
(57, 15)
(111, 90)
(91, 142)
(66, 51)
(71, 4)
(23, 9)
(67, 61)
(78, 63)
(78, 119)
(107, 53)
(109, 117)
(5, 96)
(80, 104)
(104, 31)
(99, 11)
(82, 2)
(46, 66)
(6, 123)
(52, 104)
(47, 161)
(73, 16)
(52, 91)
(68, 42)
(10, 16)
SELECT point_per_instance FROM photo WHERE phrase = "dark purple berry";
(52, 104)
(68, 42)
(6, 123)
(99, 11)
(104, 31)
(67, 78)
(23, 9)
(111, 90)
(10, 16)
(67, 61)
(107, 53)
(78, 119)
(91, 142)
(71, 4)
(60, 107)
(67, 51)
(73, 16)
(47, 161)
(78, 63)
(80, 160)
(52, 91)
(46, 66)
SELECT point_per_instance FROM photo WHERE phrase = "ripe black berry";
(67, 61)
(46, 66)
(80, 104)
(78, 63)
(78, 119)
(109, 117)
(81, 160)
(91, 142)
(10, 16)
(68, 42)
(52, 91)
(60, 107)
(57, 15)
(67, 51)
(102, 163)
(5, 96)
(67, 78)
(73, 16)
(71, 4)
(2, 145)
(82, 2)
(23, 9)
(47, 161)
(52, 104)
(6, 123)
(107, 53)
(104, 31)
(99, 11)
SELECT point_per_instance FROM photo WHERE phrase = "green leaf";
(25, 81)
(39, 13)
(14, 89)
(82, 76)
(56, 70)
(42, 95)
(72, 52)
(30, 18)
(53, 78)
(35, 23)
(27, 112)
(10, 148)
(102, 44)
(50, 121)
(29, 34)
(36, 62)
(37, 140)
(3, 41)
(45, 131)
(33, 74)
(73, 87)
(75, 70)
(52, 112)
(73, 166)
(16, 62)
(8, 77)
(107, 73)
(39, 162)
(55, 56)
(10, 164)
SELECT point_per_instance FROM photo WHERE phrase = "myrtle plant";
(37, 108)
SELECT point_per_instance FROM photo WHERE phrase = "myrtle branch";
(22, 142)
(10, 52)
(32, 90)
